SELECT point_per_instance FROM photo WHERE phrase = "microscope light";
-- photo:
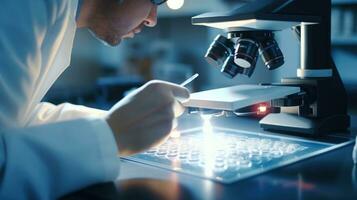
(262, 109)
(206, 123)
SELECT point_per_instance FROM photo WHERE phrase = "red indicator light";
(262, 109)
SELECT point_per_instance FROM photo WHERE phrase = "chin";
(107, 41)
(112, 43)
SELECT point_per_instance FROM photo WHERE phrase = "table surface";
(328, 176)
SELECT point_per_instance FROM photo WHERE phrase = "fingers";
(150, 134)
(178, 108)
(147, 116)
(145, 135)
(174, 124)
(176, 90)
(179, 92)
(161, 95)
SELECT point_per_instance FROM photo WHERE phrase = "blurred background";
(174, 50)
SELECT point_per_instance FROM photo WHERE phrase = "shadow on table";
(135, 189)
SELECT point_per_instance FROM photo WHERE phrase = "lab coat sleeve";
(25, 25)
(49, 161)
(22, 41)
(47, 112)
(20, 57)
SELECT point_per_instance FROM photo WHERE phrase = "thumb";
(179, 109)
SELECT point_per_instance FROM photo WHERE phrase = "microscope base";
(283, 122)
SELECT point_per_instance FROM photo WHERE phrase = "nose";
(151, 20)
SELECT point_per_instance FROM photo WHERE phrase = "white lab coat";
(46, 151)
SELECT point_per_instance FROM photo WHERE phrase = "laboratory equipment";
(240, 57)
(236, 97)
(321, 105)
(312, 105)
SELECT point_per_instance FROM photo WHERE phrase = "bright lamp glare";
(262, 109)
(207, 126)
(175, 134)
(175, 4)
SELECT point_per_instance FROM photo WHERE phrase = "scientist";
(46, 150)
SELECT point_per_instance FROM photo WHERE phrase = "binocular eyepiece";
(239, 54)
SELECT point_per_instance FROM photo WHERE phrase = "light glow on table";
(175, 133)
(208, 144)
(206, 123)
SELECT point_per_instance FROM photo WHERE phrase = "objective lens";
(239, 53)
(231, 69)
(246, 53)
(271, 54)
(220, 49)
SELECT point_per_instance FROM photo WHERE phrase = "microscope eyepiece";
(220, 49)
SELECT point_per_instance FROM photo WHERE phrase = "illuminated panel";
(226, 155)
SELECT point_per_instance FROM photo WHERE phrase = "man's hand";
(145, 117)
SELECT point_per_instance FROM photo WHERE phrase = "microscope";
(316, 103)
(311, 107)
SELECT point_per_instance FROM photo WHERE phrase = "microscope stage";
(253, 24)
(236, 97)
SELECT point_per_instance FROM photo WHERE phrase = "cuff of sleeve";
(107, 148)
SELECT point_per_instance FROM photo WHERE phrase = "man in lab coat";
(46, 150)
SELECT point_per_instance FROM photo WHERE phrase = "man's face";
(112, 21)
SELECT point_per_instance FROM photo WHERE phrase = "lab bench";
(331, 175)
